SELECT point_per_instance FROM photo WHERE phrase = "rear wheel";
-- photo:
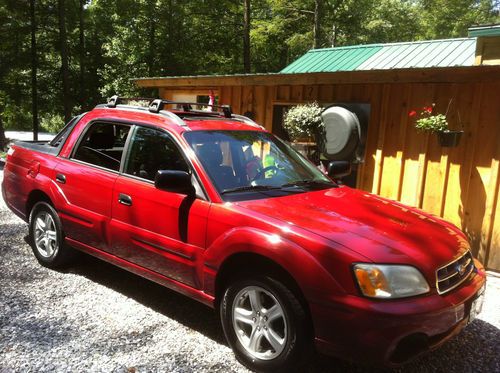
(46, 236)
(265, 325)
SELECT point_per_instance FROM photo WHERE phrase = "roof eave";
(430, 75)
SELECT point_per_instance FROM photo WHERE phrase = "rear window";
(59, 140)
(102, 145)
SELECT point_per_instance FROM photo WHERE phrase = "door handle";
(125, 199)
(60, 178)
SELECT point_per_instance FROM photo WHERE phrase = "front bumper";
(392, 332)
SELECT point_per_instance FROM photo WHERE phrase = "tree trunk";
(64, 60)
(34, 68)
(170, 57)
(334, 36)
(82, 54)
(246, 36)
(317, 24)
(152, 40)
(3, 140)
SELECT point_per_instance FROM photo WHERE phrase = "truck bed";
(38, 146)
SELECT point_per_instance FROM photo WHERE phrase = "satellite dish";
(342, 134)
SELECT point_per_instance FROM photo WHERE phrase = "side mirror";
(339, 169)
(174, 181)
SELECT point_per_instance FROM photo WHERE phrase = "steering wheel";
(263, 171)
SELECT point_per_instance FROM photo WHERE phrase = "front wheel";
(46, 236)
(265, 325)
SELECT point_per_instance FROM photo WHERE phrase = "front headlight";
(389, 281)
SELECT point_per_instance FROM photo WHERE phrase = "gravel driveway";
(94, 317)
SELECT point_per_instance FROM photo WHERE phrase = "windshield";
(248, 162)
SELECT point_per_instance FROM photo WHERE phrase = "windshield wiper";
(256, 188)
(307, 182)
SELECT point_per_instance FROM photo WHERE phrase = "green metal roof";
(488, 30)
(420, 54)
(332, 59)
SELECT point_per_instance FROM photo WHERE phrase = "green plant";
(427, 121)
(51, 122)
(303, 120)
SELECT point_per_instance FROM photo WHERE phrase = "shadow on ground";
(471, 346)
(156, 297)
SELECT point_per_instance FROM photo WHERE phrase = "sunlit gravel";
(94, 317)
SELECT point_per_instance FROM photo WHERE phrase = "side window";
(103, 145)
(153, 150)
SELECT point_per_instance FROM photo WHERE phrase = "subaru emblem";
(461, 268)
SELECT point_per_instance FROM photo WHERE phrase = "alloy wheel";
(259, 322)
(45, 234)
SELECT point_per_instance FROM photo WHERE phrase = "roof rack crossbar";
(157, 105)
(116, 100)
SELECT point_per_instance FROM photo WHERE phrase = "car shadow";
(182, 309)
(477, 338)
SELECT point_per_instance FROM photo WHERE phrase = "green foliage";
(13, 115)
(451, 18)
(392, 21)
(125, 39)
(428, 121)
(303, 121)
(433, 123)
(52, 123)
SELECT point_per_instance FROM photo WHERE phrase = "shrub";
(303, 121)
(52, 123)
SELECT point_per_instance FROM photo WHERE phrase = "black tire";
(293, 328)
(47, 238)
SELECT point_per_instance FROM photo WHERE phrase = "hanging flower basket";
(449, 139)
(428, 120)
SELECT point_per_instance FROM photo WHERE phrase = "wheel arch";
(34, 197)
(232, 266)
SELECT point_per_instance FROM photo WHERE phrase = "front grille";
(453, 274)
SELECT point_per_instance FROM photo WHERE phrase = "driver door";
(155, 229)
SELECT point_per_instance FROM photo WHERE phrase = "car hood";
(379, 229)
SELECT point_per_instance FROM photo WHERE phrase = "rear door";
(85, 181)
(162, 231)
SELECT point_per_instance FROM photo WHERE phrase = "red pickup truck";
(215, 207)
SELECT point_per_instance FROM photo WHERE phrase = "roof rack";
(156, 105)
(117, 100)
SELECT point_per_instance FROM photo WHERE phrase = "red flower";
(412, 113)
(428, 109)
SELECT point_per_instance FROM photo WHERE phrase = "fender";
(25, 173)
(312, 277)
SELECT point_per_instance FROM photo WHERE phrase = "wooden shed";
(462, 78)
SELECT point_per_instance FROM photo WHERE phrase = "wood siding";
(459, 184)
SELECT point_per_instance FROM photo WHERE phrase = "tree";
(81, 35)
(3, 140)
(392, 21)
(84, 51)
(34, 67)
(317, 24)
(246, 36)
(64, 60)
(15, 65)
(451, 18)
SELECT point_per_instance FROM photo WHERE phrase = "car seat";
(222, 175)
